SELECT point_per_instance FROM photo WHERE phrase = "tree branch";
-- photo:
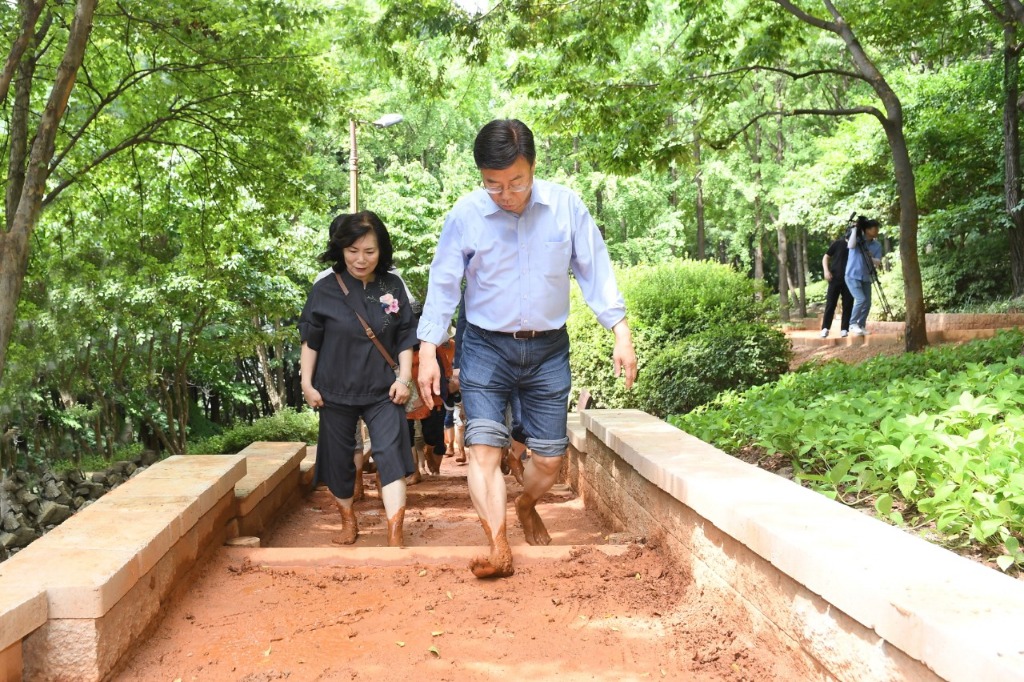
(850, 111)
(186, 112)
(807, 18)
(795, 75)
(31, 12)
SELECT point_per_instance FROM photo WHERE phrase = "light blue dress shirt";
(517, 267)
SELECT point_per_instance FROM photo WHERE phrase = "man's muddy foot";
(533, 527)
(491, 567)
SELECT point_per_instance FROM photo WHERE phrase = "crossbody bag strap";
(369, 332)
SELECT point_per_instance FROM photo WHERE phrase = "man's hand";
(623, 355)
(828, 275)
(429, 379)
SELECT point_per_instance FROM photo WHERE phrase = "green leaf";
(907, 482)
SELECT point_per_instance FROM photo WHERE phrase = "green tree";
(145, 76)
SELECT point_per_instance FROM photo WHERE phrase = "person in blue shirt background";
(859, 271)
(515, 240)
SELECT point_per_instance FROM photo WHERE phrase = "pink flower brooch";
(389, 303)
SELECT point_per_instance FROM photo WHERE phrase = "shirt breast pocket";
(554, 261)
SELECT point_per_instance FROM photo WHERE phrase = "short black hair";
(501, 142)
(348, 228)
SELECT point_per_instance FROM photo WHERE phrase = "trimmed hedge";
(695, 370)
(698, 328)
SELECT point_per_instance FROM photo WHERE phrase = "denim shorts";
(495, 368)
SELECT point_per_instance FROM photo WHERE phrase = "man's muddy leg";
(487, 490)
(539, 474)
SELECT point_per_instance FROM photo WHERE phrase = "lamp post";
(385, 121)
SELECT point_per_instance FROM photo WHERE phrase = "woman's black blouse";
(349, 368)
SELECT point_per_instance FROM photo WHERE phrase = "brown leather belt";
(521, 334)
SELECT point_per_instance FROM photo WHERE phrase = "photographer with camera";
(865, 256)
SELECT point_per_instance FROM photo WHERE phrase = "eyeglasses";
(515, 189)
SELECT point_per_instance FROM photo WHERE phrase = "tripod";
(862, 247)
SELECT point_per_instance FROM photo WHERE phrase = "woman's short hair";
(348, 228)
(501, 142)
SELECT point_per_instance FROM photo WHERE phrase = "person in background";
(345, 376)
(430, 413)
(833, 265)
(859, 270)
(515, 240)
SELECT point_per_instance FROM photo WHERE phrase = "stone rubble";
(31, 505)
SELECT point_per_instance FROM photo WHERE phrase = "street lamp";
(385, 121)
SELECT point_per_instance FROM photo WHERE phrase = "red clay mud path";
(586, 614)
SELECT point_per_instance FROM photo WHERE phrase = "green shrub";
(96, 462)
(286, 426)
(929, 439)
(666, 304)
(695, 370)
(686, 297)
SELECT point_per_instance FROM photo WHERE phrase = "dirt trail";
(585, 616)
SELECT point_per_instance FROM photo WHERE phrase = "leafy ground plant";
(931, 441)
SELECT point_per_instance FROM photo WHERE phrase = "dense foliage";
(928, 439)
(205, 148)
(699, 328)
(287, 426)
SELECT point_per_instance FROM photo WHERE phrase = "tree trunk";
(271, 379)
(1011, 154)
(15, 240)
(698, 180)
(799, 272)
(783, 259)
(915, 332)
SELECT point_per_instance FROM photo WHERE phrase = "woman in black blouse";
(344, 374)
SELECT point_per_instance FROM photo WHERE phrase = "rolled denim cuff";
(548, 448)
(487, 432)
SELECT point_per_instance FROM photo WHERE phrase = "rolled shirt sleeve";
(311, 325)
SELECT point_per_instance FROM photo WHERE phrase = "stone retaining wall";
(942, 322)
(857, 598)
(75, 601)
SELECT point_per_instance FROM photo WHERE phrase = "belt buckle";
(525, 335)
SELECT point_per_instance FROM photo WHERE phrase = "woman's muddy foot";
(395, 536)
(349, 528)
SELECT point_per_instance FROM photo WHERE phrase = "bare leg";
(539, 475)
(433, 460)
(416, 476)
(360, 458)
(349, 527)
(393, 495)
(460, 443)
(515, 460)
(449, 441)
(487, 490)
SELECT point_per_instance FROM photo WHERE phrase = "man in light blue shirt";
(859, 271)
(514, 241)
